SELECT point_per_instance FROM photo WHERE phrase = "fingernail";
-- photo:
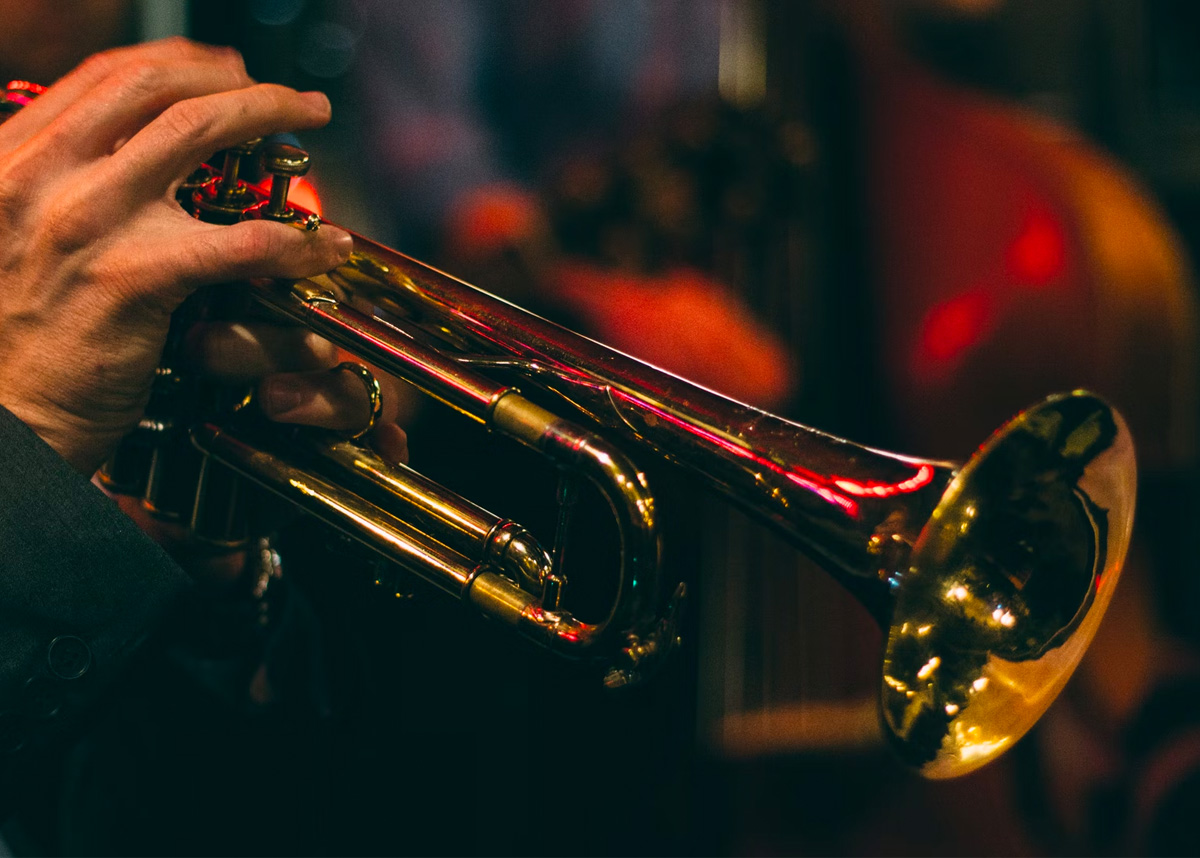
(278, 396)
(343, 241)
(342, 244)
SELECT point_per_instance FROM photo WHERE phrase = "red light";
(303, 194)
(923, 477)
(1038, 254)
(805, 479)
(849, 506)
(21, 92)
(489, 219)
(954, 326)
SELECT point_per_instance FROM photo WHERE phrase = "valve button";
(284, 163)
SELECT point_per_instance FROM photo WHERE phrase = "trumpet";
(988, 578)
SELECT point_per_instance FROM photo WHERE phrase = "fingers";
(165, 255)
(332, 400)
(88, 213)
(182, 136)
(102, 77)
(338, 400)
(167, 106)
(300, 383)
(164, 109)
(261, 248)
(186, 253)
(391, 442)
(237, 353)
(131, 97)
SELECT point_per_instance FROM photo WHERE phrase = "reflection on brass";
(374, 395)
(283, 163)
(997, 607)
(989, 579)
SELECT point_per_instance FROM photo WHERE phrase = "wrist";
(65, 439)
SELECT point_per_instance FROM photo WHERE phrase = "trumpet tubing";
(988, 578)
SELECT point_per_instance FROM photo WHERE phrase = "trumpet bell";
(1007, 584)
(989, 580)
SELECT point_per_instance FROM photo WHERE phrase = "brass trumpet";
(988, 578)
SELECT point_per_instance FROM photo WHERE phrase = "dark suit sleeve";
(80, 587)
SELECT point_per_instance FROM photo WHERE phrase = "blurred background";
(900, 221)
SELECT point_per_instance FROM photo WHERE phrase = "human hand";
(294, 376)
(95, 253)
(296, 380)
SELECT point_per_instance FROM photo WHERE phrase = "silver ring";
(374, 394)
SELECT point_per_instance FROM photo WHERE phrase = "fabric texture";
(80, 588)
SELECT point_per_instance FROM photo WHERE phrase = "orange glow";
(304, 195)
(1038, 255)
(489, 219)
(923, 477)
(956, 325)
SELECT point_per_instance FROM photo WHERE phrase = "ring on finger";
(374, 394)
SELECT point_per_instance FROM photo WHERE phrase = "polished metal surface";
(283, 163)
(989, 579)
(1007, 583)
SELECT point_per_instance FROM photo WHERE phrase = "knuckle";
(66, 226)
(202, 256)
(10, 206)
(100, 65)
(194, 263)
(188, 119)
(10, 189)
(122, 287)
(322, 354)
(231, 57)
(177, 47)
(235, 69)
(138, 81)
(190, 51)
(103, 63)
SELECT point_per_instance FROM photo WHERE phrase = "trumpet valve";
(284, 163)
(225, 198)
(230, 188)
